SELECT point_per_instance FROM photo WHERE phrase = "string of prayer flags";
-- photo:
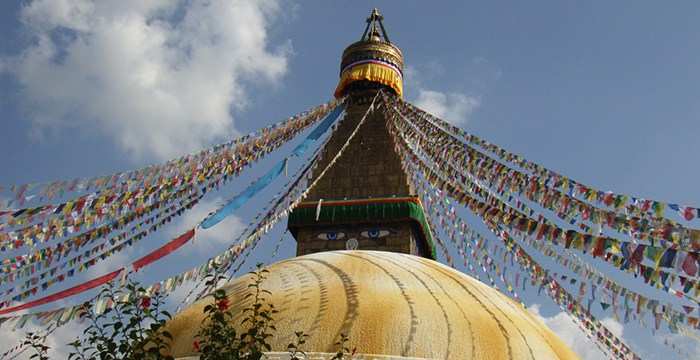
(25, 264)
(593, 324)
(66, 293)
(485, 212)
(152, 172)
(651, 207)
(103, 206)
(282, 207)
(445, 164)
(272, 174)
(84, 260)
(500, 178)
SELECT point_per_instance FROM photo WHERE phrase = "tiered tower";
(364, 200)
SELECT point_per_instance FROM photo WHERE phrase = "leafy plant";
(343, 348)
(36, 342)
(294, 348)
(218, 338)
(130, 329)
(258, 318)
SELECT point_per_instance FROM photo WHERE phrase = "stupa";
(365, 264)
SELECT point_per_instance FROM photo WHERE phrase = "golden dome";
(387, 304)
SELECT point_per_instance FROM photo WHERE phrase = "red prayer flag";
(164, 250)
(690, 265)
(65, 293)
(687, 212)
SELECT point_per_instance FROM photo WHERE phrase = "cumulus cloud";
(568, 332)
(160, 77)
(452, 107)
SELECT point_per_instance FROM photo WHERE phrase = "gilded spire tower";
(364, 201)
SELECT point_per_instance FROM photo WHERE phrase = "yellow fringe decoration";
(372, 72)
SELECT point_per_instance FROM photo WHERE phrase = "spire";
(365, 200)
(372, 21)
(371, 63)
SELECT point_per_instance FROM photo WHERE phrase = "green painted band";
(338, 213)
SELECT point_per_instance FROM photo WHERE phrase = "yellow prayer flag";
(615, 247)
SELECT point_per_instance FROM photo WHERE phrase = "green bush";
(132, 329)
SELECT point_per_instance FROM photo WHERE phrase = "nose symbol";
(351, 244)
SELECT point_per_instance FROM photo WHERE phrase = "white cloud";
(690, 346)
(454, 107)
(562, 325)
(158, 76)
(451, 107)
(57, 341)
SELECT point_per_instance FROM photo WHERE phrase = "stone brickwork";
(368, 168)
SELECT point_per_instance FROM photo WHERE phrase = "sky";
(602, 92)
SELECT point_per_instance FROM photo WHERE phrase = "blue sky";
(603, 92)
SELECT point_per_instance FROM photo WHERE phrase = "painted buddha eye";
(376, 233)
(331, 235)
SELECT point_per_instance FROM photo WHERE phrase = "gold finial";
(375, 16)
(372, 62)
(374, 35)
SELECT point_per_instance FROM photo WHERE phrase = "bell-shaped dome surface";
(387, 304)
